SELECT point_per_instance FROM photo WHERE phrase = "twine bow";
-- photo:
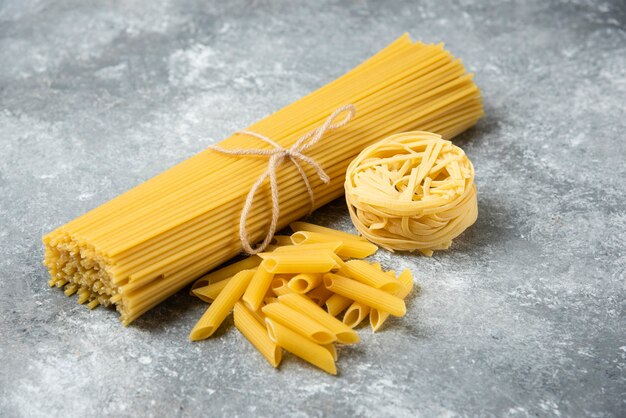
(277, 157)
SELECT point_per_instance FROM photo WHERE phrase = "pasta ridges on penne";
(344, 334)
(316, 261)
(221, 306)
(210, 292)
(367, 295)
(336, 304)
(332, 246)
(350, 248)
(317, 355)
(367, 274)
(299, 322)
(255, 331)
(260, 283)
(305, 226)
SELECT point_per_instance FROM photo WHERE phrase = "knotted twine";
(277, 157)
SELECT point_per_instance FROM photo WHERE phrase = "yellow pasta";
(301, 346)
(368, 274)
(332, 350)
(303, 304)
(256, 332)
(282, 240)
(152, 241)
(350, 247)
(355, 314)
(260, 283)
(329, 246)
(280, 286)
(412, 191)
(336, 304)
(377, 318)
(299, 322)
(367, 295)
(209, 293)
(316, 261)
(221, 306)
(319, 295)
(304, 282)
(341, 235)
(227, 272)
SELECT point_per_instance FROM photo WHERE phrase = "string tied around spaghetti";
(277, 156)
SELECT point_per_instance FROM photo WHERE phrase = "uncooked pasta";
(148, 243)
(412, 191)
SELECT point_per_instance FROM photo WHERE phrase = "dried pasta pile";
(148, 243)
(289, 298)
(412, 191)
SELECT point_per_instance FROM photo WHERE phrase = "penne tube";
(300, 346)
(378, 318)
(367, 295)
(221, 306)
(304, 282)
(350, 248)
(299, 322)
(281, 240)
(344, 334)
(226, 272)
(305, 226)
(319, 295)
(269, 300)
(336, 304)
(332, 350)
(333, 246)
(340, 265)
(256, 332)
(280, 286)
(318, 261)
(355, 314)
(210, 292)
(260, 283)
(365, 273)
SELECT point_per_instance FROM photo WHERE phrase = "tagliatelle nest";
(412, 191)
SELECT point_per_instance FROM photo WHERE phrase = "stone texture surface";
(524, 316)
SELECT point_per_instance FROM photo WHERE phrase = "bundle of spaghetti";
(143, 246)
(412, 191)
(289, 298)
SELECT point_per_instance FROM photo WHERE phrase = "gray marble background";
(524, 316)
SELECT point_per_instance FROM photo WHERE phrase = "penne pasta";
(303, 304)
(210, 292)
(332, 350)
(332, 246)
(355, 314)
(367, 295)
(317, 261)
(305, 226)
(260, 283)
(226, 272)
(221, 306)
(299, 322)
(319, 295)
(304, 282)
(302, 347)
(350, 248)
(280, 286)
(281, 240)
(256, 332)
(377, 318)
(336, 304)
(365, 273)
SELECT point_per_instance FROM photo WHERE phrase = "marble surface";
(524, 316)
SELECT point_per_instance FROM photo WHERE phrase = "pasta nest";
(412, 191)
